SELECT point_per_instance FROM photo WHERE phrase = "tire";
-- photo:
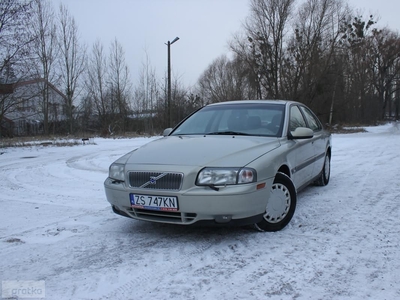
(323, 178)
(281, 205)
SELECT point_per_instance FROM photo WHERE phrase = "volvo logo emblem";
(153, 180)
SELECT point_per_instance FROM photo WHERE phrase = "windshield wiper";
(227, 133)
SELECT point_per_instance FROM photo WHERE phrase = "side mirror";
(302, 133)
(167, 131)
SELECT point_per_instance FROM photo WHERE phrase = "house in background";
(24, 100)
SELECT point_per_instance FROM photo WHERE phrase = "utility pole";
(169, 119)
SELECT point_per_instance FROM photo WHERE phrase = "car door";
(302, 154)
(319, 140)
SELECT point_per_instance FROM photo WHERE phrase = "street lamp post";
(169, 80)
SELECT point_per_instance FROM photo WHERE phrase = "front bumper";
(238, 204)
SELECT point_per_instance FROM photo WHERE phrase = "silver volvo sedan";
(239, 162)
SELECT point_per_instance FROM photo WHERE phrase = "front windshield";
(235, 119)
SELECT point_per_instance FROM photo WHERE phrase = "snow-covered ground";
(342, 243)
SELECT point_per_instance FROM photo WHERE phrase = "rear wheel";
(281, 205)
(323, 178)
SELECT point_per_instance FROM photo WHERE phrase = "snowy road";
(342, 243)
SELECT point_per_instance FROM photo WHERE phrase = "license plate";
(165, 203)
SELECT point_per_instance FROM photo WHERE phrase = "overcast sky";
(204, 27)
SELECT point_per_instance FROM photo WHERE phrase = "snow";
(342, 243)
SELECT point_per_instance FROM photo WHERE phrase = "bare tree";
(357, 102)
(45, 48)
(96, 86)
(385, 67)
(214, 83)
(179, 100)
(72, 60)
(120, 84)
(146, 95)
(14, 41)
(225, 80)
(313, 56)
(14, 38)
(178, 103)
(266, 29)
(245, 53)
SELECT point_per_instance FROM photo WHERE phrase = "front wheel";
(323, 178)
(280, 206)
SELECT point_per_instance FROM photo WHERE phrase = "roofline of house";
(10, 87)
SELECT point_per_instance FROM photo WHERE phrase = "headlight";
(117, 172)
(226, 176)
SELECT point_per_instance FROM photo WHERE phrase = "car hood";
(216, 151)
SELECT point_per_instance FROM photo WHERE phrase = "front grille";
(163, 216)
(156, 180)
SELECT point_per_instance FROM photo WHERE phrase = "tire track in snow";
(206, 241)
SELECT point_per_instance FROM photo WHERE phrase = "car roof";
(282, 102)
